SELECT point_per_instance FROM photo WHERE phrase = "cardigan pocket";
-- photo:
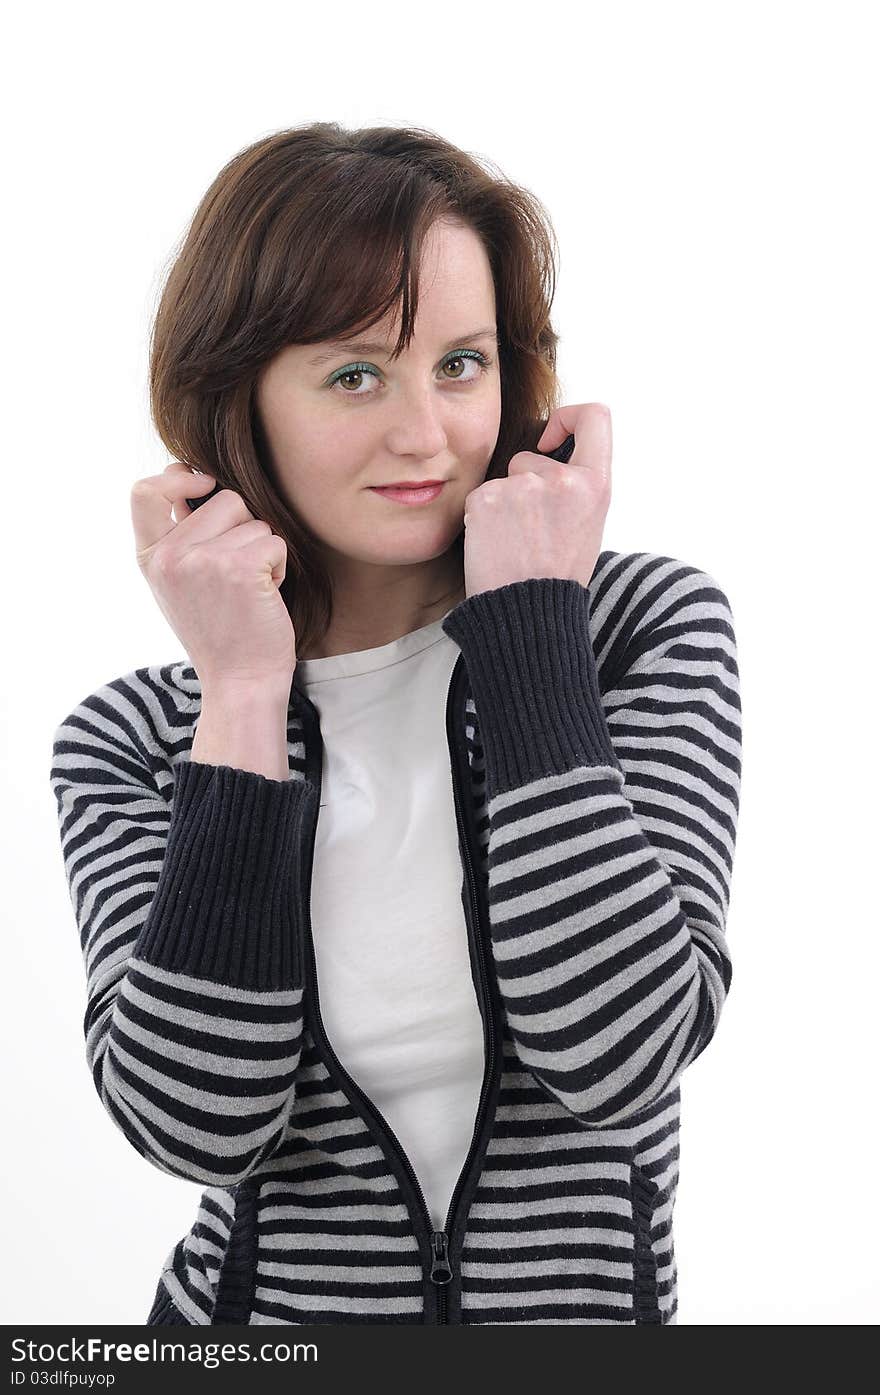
(236, 1280)
(644, 1191)
(164, 1312)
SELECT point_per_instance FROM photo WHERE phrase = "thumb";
(560, 423)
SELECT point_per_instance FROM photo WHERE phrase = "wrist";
(247, 694)
(245, 727)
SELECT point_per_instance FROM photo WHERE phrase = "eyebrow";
(338, 346)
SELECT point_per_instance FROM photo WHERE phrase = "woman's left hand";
(544, 518)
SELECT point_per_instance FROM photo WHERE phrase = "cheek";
(487, 435)
(479, 460)
(326, 497)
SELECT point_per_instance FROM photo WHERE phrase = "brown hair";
(260, 267)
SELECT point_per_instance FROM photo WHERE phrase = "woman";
(431, 752)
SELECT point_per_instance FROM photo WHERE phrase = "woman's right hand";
(215, 574)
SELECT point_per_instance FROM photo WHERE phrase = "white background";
(711, 174)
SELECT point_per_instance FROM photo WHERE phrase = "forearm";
(245, 728)
(188, 907)
(609, 948)
(196, 1057)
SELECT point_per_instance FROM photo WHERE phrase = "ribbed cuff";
(228, 901)
(533, 677)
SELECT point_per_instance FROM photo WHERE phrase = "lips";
(410, 494)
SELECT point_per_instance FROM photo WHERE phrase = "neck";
(376, 605)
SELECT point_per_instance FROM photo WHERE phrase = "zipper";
(441, 1256)
(441, 1272)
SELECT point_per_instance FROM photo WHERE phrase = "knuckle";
(240, 503)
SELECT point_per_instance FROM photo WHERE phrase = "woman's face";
(357, 418)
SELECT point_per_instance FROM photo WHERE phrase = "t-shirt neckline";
(311, 671)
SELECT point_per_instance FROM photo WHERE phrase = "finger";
(153, 496)
(568, 420)
(274, 556)
(593, 444)
(192, 499)
(193, 504)
(561, 423)
(243, 535)
(590, 424)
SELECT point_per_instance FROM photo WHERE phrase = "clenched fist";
(545, 518)
(216, 574)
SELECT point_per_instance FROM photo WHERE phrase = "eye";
(481, 362)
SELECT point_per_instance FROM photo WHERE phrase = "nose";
(418, 429)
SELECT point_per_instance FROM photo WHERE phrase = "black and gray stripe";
(605, 785)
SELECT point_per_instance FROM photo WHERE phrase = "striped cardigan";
(594, 740)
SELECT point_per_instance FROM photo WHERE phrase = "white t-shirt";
(394, 978)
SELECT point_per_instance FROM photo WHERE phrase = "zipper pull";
(440, 1270)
